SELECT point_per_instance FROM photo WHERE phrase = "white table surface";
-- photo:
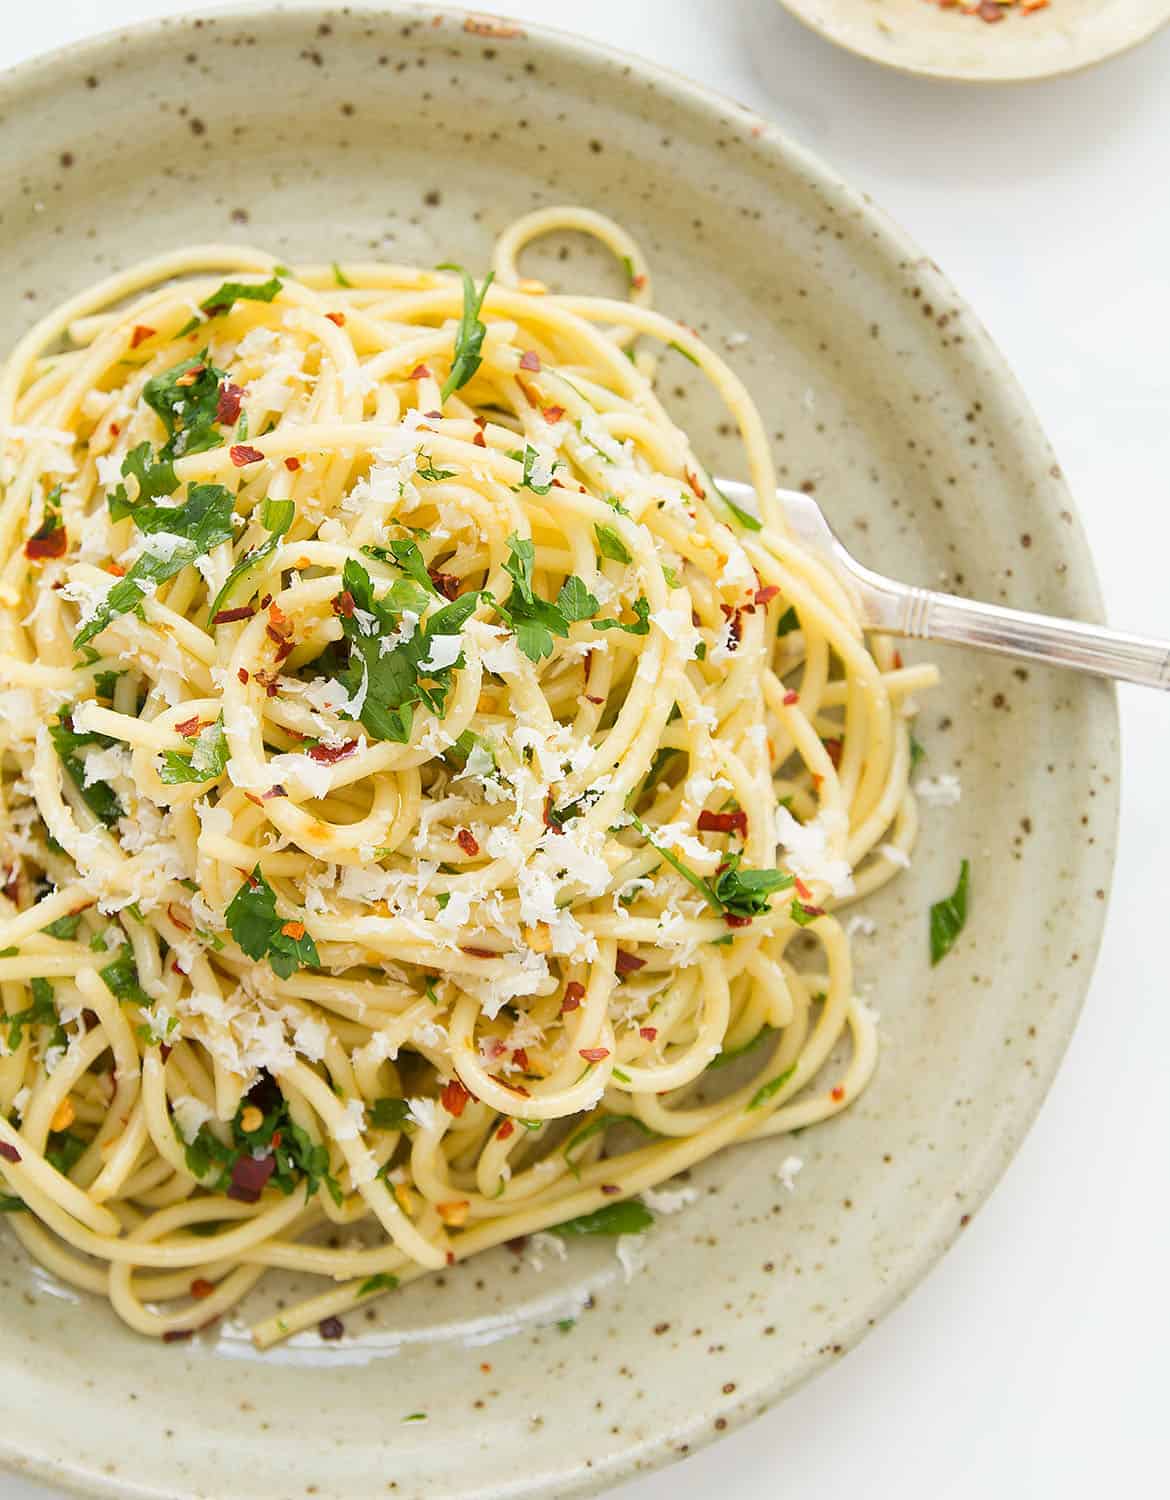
(1031, 1362)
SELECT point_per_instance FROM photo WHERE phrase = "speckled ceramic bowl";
(921, 36)
(417, 136)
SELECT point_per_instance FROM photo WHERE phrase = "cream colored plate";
(920, 37)
(329, 135)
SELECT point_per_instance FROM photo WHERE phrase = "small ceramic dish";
(984, 41)
(417, 135)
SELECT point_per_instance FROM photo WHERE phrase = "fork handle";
(926, 615)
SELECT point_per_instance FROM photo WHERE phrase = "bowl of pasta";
(472, 890)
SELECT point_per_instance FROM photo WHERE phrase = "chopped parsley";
(339, 276)
(65, 927)
(744, 517)
(425, 469)
(296, 1156)
(611, 544)
(528, 458)
(787, 622)
(773, 1086)
(185, 399)
(253, 921)
(470, 334)
(917, 753)
(277, 517)
(733, 892)
(99, 796)
(121, 978)
(388, 1114)
(382, 1282)
(949, 916)
(686, 353)
(208, 758)
(41, 1012)
(201, 523)
(629, 1217)
(12, 1205)
(231, 292)
(104, 684)
(725, 1056)
(397, 678)
(802, 915)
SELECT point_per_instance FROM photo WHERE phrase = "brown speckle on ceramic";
(945, 41)
(921, 448)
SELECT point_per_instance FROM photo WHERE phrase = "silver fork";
(900, 609)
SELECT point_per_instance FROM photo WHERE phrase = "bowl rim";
(893, 244)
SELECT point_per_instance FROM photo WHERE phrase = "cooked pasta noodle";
(416, 775)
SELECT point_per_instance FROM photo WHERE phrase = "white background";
(1032, 1362)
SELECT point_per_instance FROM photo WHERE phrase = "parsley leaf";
(630, 1217)
(64, 1150)
(296, 1156)
(534, 620)
(42, 1012)
(208, 758)
(528, 458)
(744, 517)
(744, 893)
(121, 978)
(104, 684)
(787, 622)
(396, 679)
(406, 555)
(277, 516)
(425, 469)
(611, 544)
(202, 522)
(99, 796)
(388, 1114)
(253, 921)
(470, 335)
(155, 477)
(12, 1205)
(948, 917)
(64, 928)
(339, 276)
(232, 292)
(382, 1282)
(575, 602)
(773, 1086)
(185, 399)
(917, 753)
(802, 915)
(640, 625)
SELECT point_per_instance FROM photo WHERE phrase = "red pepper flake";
(648, 1033)
(446, 583)
(467, 842)
(574, 994)
(518, 1245)
(693, 480)
(790, 698)
(336, 317)
(549, 820)
(812, 911)
(627, 963)
(897, 661)
(229, 616)
(505, 1130)
(9, 1153)
(723, 822)
(531, 394)
(837, 1094)
(179, 922)
(242, 455)
(802, 890)
(274, 791)
(141, 334)
(329, 755)
(177, 1335)
(454, 1097)
(188, 727)
(189, 377)
(242, 674)
(249, 1177)
(593, 1054)
(252, 797)
(767, 594)
(989, 11)
(589, 698)
(553, 413)
(115, 429)
(420, 372)
(479, 952)
(495, 1048)
(294, 930)
(331, 1328)
(292, 464)
(433, 416)
(450, 1257)
(513, 1088)
(116, 569)
(52, 545)
(343, 604)
(479, 440)
(177, 968)
(610, 1189)
(227, 406)
(733, 921)
(639, 281)
(201, 1288)
(530, 360)
(833, 750)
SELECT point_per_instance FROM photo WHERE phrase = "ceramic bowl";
(984, 44)
(417, 135)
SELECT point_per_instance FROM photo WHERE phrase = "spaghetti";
(416, 777)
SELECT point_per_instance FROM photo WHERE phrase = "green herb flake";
(64, 928)
(382, 1282)
(470, 334)
(207, 761)
(121, 978)
(917, 753)
(41, 1012)
(99, 796)
(773, 1086)
(611, 544)
(276, 516)
(629, 1217)
(949, 916)
(253, 921)
(339, 277)
(389, 1114)
(787, 622)
(231, 292)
